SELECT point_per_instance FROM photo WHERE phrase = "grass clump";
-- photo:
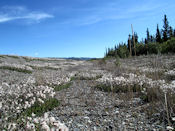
(85, 78)
(170, 77)
(39, 109)
(13, 56)
(146, 94)
(62, 86)
(151, 95)
(1, 56)
(16, 69)
(51, 68)
(118, 88)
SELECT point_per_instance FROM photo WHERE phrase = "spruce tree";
(171, 32)
(158, 35)
(128, 42)
(146, 42)
(146, 46)
(165, 30)
(129, 45)
(148, 36)
(136, 37)
(151, 39)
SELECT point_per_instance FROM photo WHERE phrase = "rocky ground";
(85, 108)
(26, 81)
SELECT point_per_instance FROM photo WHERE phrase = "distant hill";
(79, 58)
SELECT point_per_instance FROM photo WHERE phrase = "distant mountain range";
(79, 58)
(73, 58)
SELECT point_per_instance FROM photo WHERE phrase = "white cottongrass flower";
(33, 115)
(170, 72)
(62, 127)
(30, 126)
(0, 105)
(18, 66)
(40, 100)
(52, 120)
(46, 115)
(45, 126)
(173, 118)
(169, 128)
(36, 120)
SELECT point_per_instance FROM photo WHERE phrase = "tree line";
(162, 42)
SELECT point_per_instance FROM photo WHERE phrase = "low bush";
(39, 109)
(16, 69)
(168, 46)
(1, 56)
(13, 56)
(146, 94)
(62, 86)
(118, 88)
(85, 78)
(151, 94)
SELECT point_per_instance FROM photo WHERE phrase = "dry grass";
(154, 97)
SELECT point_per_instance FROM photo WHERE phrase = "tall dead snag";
(133, 39)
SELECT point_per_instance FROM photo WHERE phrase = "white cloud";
(38, 16)
(4, 18)
(10, 13)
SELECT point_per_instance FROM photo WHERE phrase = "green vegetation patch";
(39, 109)
(36, 59)
(85, 78)
(152, 95)
(170, 77)
(153, 44)
(46, 67)
(1, 56)
(51, 68)
(16, 69)
(146, 94)
(118, 88)
(13, 56)
(62, 86)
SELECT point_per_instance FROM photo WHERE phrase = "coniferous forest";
(163, 42)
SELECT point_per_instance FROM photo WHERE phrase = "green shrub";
(62, 86)
(39, 109)
(118, 88)
(1, 56)
(13, 56)
(85, 78)
(16, 69)
(141, 49)
(122, 51)
(153, 48)
(168, 46)
(151, 95)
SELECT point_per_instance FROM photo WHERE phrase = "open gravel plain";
(52, 94)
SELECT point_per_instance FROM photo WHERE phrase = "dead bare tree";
(133, 39)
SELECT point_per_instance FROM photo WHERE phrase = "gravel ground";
(83, 107)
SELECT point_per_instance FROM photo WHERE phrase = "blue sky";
(76, 28)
